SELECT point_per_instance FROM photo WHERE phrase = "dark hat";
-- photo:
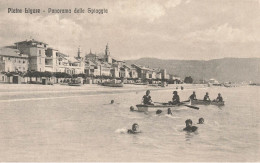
(174, 92)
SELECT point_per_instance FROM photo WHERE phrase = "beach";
(63, 123)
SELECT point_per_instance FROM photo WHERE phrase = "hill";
(225, 69)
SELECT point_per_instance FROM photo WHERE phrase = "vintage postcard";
(130, 81)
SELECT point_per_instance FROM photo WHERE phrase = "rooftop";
(12, 53)
(30, 41)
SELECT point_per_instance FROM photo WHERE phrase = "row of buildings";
(34, 55)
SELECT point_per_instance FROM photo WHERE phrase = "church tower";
(79, 53)
(107, 50)
(108, 58)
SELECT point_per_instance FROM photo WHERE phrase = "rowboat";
(202, 102)
(108, 84)
(74, 84)
(145, 108)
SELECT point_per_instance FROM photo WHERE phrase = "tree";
(188, 80)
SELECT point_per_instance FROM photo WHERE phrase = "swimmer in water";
(169, 111)
(159, 111)
(134, 130)
(132, 108)
(189, 127)
(201, 121)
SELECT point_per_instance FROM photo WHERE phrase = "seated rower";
(147, 100)
(169, 111)
(193, 96)
(219, 98)
(206, 97)
(175, 98)
(189, 127)
(134, 129)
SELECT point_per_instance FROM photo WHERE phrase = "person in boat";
(189, 127)
(169, 111)
(147, 100)
(219, 98)
(201, 121)
(193, 96)
(134, 129)
(206, 97)
(175, 98)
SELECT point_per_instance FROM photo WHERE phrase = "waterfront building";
(144, 72)
(36, 51)
(12, 60)
(35, 55)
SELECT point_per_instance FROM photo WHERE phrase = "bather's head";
(188, 123)
(201, 121)
(135, 127)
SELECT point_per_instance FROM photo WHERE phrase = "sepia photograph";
(130, 81)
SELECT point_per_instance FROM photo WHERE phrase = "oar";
(182, 103)
(193, 107)
(160, 103)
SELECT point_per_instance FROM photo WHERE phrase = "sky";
(164, 29)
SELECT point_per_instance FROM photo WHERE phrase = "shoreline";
(14, 93)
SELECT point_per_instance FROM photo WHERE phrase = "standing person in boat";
(147, 100)
(206, 97)
(193, 96)
(189, 127)
(219, 98)
(175, 98)
(169, 111)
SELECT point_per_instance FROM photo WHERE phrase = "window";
(39, 51)
(23, 61)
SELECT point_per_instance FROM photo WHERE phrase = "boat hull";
(112, 84)
(74, 84)
(146, 108)
(201, 102)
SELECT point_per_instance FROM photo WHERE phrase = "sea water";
(67, 124)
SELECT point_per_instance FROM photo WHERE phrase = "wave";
(121, 131)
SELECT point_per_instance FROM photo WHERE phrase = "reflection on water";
(190, 135)
(86, 127)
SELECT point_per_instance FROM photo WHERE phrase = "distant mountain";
(226, 69)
